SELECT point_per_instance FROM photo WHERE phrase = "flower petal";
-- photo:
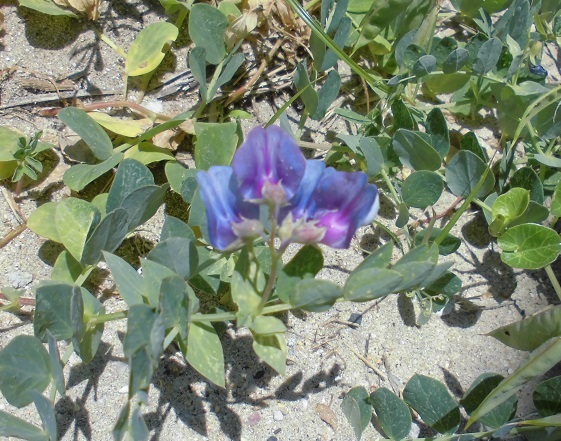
(224, 205)
(268, 155)
(302, 204)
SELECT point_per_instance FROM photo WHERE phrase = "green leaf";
(91, 132)
(371, 283)
(422, 188)
(470, 142)
(479, 389)
(531, 332)
(197, 64)
(527, 178)
(393, 415)
(80, 175)
(437, 128)
(42, 221)
(46, 410)
(177, 173)
(66, 268)
(443, 48)
(178, 254)
(327, 94)
(433, 403)
(547, 397)
(216, 144)
(555, 201)
(87, 336)
(464, 172)
(308, 260)
(455, 60)
(25, 368)
(225, 72)
(302, 82)
(380, 258)
(129, 283)
(56, 365)
(131, 175)
(267, 325)
(540, 361)
(272, 350)
(204, 352)
(148, 153)
(13, 426)
(487, 56)
(356, 408)
(107, 236)
(47, 7)
(315, 295)
(414, 151)
(207, 26)
(52, 310)
(529, 246)
(154, 273)
(174, 227)
(402, 116)
(449, 244)
(507, 208)
(424, 66)
(149, 48)
(143, 203)
(74, 220)
(166, 125)
(177, 303)
(373, 154)
(247, 299)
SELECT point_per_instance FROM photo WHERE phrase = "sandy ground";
(256, 404)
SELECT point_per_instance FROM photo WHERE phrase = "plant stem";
(104, 318)
(109, 42)
(553, 280)
(388, 182)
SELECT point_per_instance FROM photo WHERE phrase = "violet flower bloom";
(269, 166)
(329, 206)
(231, 221)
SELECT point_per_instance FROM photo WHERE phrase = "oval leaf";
(414, 151)
(464, 172)
(393, 414)
(356, 408)
(207, 26)
(148, 49)
(422, 188)
(371, 283)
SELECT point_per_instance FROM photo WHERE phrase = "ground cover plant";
(248, 199)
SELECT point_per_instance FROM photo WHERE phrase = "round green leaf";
(424, 66)
(422, 188)
(272, 350)
(25, 367)
(216, 144)
(556, 200)
(207, 26)
(464, 172)
(433, 403)
(529, 246)
(356, 408)
(414, 151)
(393, 414)
(148, 49)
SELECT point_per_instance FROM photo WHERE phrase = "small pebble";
(272, 438)
(277, 415)
(124, 390)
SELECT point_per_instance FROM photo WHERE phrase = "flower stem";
(103, 318)
(553, 280)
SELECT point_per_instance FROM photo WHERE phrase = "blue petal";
(302, 204)
(268, 155)
(224, 205)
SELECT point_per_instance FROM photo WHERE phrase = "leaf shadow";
(74, 410)
(191, 396)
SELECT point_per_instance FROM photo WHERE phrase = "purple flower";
(269, 166)
(231, 220)
(329, 206)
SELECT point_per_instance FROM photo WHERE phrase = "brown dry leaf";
(169, 139)
(327, 415)
(242, 26)
(88, 7)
